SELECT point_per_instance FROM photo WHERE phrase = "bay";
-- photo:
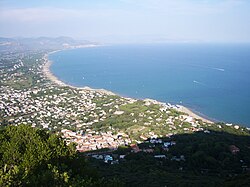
(211, 79)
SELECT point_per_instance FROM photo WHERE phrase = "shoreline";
(193, 114)
(49, 75)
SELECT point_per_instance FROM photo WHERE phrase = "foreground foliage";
(208, 162)
(34, 157)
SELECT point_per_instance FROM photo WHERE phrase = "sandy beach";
(54, 79)
(191, 113)
(47, 73)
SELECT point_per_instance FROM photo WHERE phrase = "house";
(122, 156)
(135, 148)
(148, 150)
(160, 156)
(175, 158)
(143, 137)
(234, 150)
(155, 141)
(182, 157)
(173, 143)
(114, 162)
(166, 144)
(108, 158)
(206, 131)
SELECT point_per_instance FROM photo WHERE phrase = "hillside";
(41, 43)
(59, 135)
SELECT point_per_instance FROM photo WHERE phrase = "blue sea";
(211, 79)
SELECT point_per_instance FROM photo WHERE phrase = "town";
(114, 132)
(29, 97)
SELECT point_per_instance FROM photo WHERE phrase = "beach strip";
(192, 114)
(47, 73)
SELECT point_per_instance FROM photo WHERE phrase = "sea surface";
(211, 79)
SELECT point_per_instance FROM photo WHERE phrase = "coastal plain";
(209, 79)
(31, 94)
(116, 133)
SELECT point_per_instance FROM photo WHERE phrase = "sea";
(213, 80)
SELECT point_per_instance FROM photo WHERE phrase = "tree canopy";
(35, 157)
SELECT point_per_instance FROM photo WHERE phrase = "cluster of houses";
(43, 106)
(88, 141)
(54, 107)
(50, 106)
(109, 158)
(61, 108)
(234, 149)
(152, 143)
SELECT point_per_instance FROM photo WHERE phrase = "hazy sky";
(128, 20)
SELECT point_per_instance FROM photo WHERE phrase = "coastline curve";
(50, 76)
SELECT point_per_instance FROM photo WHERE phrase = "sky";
(125, 21)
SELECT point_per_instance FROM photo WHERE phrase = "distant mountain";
(40, 43)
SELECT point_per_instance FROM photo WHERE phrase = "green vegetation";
(34, 157)
(136, 119)
(24, 73)
(207, 161)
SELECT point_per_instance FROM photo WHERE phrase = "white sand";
(192, 114)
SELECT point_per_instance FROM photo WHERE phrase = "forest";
(35, 157)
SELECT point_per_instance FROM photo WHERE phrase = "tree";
(34, 157)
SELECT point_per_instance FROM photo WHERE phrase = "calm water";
(213, 79)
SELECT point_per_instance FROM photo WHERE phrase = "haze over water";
(212, 79)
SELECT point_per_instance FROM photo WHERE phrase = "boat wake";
(207, 67)
(219, 69)
(200, 83)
